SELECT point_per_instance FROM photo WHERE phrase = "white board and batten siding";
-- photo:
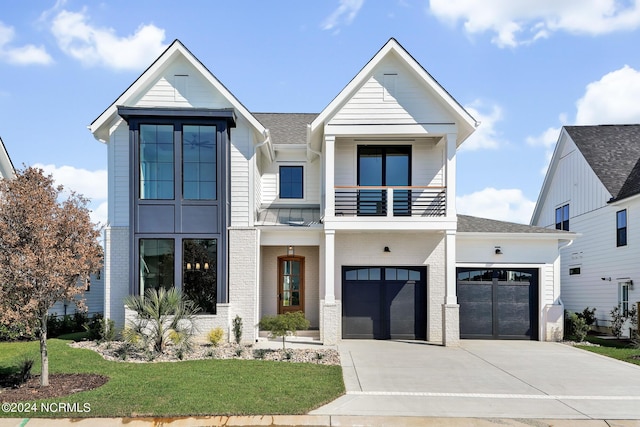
(594, 252)
(392, 95)
(573, 183)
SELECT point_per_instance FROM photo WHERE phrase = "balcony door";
(384, 166)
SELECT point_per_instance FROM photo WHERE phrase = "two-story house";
(347, 215)
(592, 187)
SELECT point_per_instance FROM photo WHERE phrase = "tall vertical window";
(156, 162)
(156, 264)
(199, 162)
(621, 228)
(291, 182)
(623, 297)
(562, 218)
(199, 277)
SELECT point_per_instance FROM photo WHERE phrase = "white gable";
(414, 98)
(392, 94)
(176, 79)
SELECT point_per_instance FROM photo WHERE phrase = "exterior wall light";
(386, 249)
(498, 250)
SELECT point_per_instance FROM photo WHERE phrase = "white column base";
(450, 325)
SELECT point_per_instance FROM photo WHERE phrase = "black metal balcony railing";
(390, 201)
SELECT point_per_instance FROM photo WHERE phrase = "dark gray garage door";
(498, 303)
(384, 302)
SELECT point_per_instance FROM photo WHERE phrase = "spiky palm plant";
(162, 316)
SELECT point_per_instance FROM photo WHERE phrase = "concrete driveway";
(485, 379)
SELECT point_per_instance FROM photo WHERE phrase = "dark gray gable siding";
(286, 128)
(613, 152)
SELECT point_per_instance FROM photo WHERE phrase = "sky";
(522, 68)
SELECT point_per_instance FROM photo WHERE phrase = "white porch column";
(329, 266)
(329, 179)
(330, 309)
(450, 309)
(450, 178)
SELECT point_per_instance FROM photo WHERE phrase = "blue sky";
(523, 68)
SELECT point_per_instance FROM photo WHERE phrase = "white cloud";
(546, 139)
(21, 55)
(101, 46)
(611, 100)
(486, 136)
(504, 205)
(524, 21)
(91, 184)
(344, 14)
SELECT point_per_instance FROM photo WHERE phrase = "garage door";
(384, 302)
(498, 303)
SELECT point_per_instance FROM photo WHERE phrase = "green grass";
(199, 387)
(616, 349)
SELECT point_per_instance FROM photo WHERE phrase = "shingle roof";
(472, 224)
(613, 152)
(286, 128)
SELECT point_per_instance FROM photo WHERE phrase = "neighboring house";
(592, 187)
(347, 215)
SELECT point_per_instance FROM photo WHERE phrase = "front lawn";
(616, 349)
(197, 387)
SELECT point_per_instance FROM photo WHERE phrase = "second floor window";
(291, 182)
(621, 228)
(156, 162)
(161, 149)
(562, 218)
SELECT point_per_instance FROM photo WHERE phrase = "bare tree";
(48, 248)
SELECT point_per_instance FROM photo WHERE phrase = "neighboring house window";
(199, 162)
(156, 162)
(623, 297)
(574, 271)
(291, 182)
(562, 218)
(199, 259)
(621, 228)
(156, 264)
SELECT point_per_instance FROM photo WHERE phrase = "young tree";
(48, 248)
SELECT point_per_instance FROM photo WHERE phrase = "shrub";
(215, 336)
(617, 321)
(237, 328)
(14, 331)
(159, 313)
(576, 327)
(100, 329)
(589, 316)
(284, 324)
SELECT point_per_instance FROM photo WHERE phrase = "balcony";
(399, 201)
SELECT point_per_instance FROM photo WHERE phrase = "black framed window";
(156, 264)
(199, 162)
(621, 228)
(562, 218)
(291, 182)
(199, 272)
(156, 162)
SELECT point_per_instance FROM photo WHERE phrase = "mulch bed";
(59, 385)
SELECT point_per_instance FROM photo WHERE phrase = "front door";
(290, 284)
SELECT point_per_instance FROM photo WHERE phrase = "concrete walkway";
(484, 379)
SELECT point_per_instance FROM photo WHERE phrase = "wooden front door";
(290, 284)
